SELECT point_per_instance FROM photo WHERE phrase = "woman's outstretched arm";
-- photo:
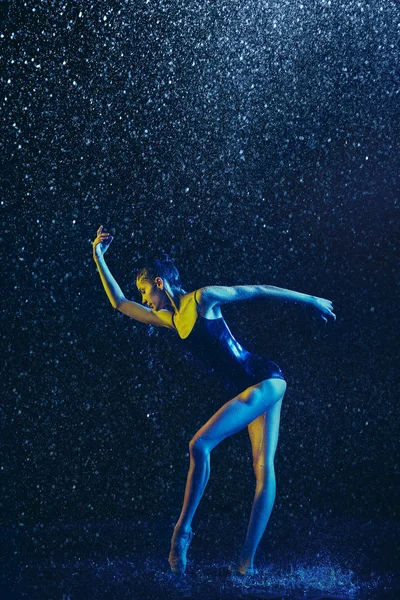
(213, 295)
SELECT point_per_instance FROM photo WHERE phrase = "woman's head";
(155, 280)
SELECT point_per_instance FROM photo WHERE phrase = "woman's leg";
(263, 433)
(229, 419)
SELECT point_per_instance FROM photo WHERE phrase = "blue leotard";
(212, 342)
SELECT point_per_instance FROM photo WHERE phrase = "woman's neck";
(175, 298)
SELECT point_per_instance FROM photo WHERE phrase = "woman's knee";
(264, 473)
(198, 447)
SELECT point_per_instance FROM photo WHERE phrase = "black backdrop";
(258, 143)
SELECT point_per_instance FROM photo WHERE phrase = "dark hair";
(163, 268)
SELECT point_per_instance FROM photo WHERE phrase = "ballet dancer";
(259, 383)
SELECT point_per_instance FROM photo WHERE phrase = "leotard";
(212, 342)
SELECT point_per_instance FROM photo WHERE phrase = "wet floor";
(77, 561)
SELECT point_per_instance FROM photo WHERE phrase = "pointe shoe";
(179, 546)
(236, 569)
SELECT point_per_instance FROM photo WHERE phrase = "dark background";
(256, 142)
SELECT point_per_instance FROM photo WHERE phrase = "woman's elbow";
(117, 303)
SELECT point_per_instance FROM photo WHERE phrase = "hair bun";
(166, 256)
(161, 267)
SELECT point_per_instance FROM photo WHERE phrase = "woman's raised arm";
(213, 295)
(114, 292)
(111, 287)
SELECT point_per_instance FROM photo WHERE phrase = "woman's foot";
(179, 546)
(242, 568)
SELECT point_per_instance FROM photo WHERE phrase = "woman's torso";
(207, 336)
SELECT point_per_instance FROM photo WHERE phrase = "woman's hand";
(101, 243)
(324, 308)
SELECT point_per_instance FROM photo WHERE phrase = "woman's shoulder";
(205, 307)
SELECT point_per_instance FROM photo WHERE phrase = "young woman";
(259, 383)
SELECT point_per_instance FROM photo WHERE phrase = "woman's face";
(153, 294)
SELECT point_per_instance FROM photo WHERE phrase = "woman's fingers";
(325, 309)
(102, 233)
(332, 314)
(102, 238)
